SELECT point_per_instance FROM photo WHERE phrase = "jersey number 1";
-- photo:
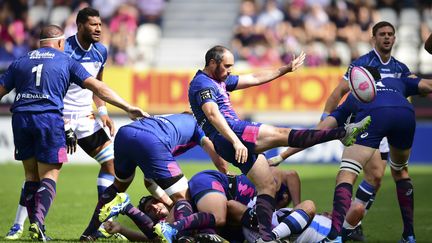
(38, 70)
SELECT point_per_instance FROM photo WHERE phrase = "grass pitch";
(76, 199)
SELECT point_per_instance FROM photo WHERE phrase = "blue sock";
(44, 198)
(365, 192)
(341, 204)
(103, 182)
(108, 195)
(30, 188)
(405, 194)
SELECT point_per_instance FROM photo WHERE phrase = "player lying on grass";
(210, 190)
(393, 117)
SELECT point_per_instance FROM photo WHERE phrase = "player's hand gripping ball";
(362, 84)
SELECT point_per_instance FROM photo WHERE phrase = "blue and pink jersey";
(238, 188)
(204, 89)
(152, 143)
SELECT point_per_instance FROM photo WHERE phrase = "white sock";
(21, 215)
(281, 231)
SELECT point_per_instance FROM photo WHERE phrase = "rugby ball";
(362, 84)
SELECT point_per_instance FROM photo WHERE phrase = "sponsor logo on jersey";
(205, 94)
(364, 135)
(38, 55)
(31, 96)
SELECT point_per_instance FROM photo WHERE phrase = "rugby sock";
(21, 213)
(108, 195)
(43, 199)
(265, 205)
(405, 194)
(199, 220)
(292, 224)
(308, 137)
(365, 192)
(370, 203)
(144, 222)
(104, 180)
(30, 188)
(249, 219)
(182, 209)
(341, 204)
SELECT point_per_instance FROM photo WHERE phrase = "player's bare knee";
(358, 208)
(308, 206)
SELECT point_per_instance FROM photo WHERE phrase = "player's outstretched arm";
(335, 97)
(113, 227)
(214, 116)
(102, 110)
(266, 76)
(220, 163)
(107, 94)
(428, 44)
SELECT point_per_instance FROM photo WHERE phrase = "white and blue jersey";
(391, 113)
(41, 79)
(392, 68)
(152, 143)
(78, 100)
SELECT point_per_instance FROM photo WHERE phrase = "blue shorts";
(247, 132)
(207, 181)
(395, 123)
(39, 135)
(136, 147)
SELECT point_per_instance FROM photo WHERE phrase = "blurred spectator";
(122, 27)
(151, 11)
(271, 15)
(318, 26)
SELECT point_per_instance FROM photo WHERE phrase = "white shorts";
(83, 126)
(384, 147)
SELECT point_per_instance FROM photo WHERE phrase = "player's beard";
(218, 75)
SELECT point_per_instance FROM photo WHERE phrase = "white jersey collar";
(79, 44)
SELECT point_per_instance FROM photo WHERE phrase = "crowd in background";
(332, 32)
(21, 20)
(267, 32)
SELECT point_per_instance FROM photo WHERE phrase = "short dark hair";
(381, 24)
(374, 71)
(143, 201)
(85, 13)
(215, 53)
(50, 31)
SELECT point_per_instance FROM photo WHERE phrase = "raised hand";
(297, 61)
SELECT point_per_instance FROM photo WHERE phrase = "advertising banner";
(329, 152)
